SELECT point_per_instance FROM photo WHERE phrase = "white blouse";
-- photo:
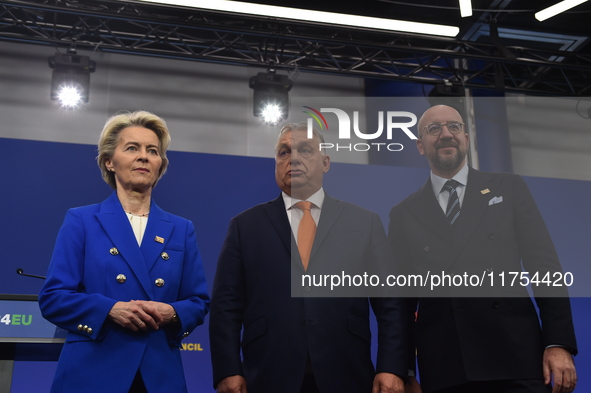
(138, 224)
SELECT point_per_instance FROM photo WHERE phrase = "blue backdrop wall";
(43, 179)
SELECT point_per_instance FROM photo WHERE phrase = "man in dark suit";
(484, 223)
(302, 343)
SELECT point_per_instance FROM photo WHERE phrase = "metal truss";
(145, 29)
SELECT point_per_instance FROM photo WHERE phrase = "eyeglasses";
(434, 129)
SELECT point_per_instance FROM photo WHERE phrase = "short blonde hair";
(109, 139)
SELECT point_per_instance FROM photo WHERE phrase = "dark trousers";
(309, 383)
(513, 386)
(138, 384)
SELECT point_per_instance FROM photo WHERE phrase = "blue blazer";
(94, 247)
(253, 294)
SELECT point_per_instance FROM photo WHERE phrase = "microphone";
(21, 272)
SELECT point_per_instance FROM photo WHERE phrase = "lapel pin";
(159, 239)
(485, 191)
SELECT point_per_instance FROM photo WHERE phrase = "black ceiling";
(507, 14)
(515, 14)
(502, 46)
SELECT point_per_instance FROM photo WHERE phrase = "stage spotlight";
(270, 99)
(69, 97)
(70, 80)
(272, 114)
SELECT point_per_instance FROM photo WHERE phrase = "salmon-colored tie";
(306, 232)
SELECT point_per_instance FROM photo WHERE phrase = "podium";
(25, 335)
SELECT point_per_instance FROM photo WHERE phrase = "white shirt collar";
(461, 177)
(317, 199)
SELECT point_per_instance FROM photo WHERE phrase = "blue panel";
(45, 179)
(33, 376)
(564, 204)
(492, 132)
(22, 322)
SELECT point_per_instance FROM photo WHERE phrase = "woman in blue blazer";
(126, 278)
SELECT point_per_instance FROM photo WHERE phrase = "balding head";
(446, 151)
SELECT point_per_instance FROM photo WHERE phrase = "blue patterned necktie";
(453, 203)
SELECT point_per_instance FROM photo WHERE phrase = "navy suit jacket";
(94, 246)
(481, 338)
(252, 294)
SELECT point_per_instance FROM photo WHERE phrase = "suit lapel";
(116, 225)
(159, 225)
(425, 207)
(276, 213)
(331, 209)
(473, 208)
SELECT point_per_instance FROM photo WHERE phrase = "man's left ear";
(326, 163)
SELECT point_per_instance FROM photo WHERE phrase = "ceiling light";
(557, 9)
(315, 16)
(465, 8)
(272, 114)
(270, 99)
(70, 79)
(69, 96)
